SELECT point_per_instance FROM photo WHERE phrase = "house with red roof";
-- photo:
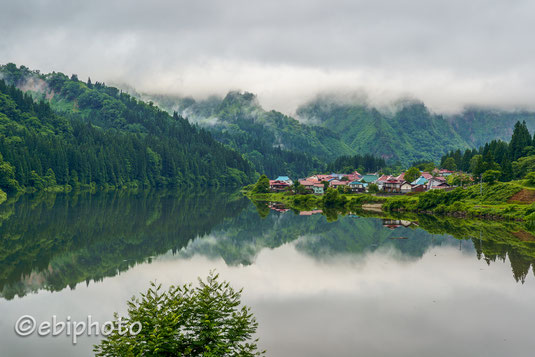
(322, 177)
(337, 183)
(381, 181)
(392, 185)
(277, 186)
(313, 186)
(426, 175)
(354, 176)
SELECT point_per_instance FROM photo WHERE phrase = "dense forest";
(510, 160)
(62, 131)
(361, 163)
(409, 131)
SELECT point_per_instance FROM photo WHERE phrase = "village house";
(312, 185)
(392, 185)
(426, 175)
(437, 183)
(318, 189)
(277, 186)
(357, 186)
(381, 181)
(337, 183)
(420, 181)
(354, 176)
(285, 179)
(369, 178)
(405, 187)
(307, 184)
(419, 188)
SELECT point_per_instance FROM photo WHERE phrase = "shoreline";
(488, 202)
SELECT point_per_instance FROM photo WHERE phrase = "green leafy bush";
(206, 320)
(262, 185)
(531, 178)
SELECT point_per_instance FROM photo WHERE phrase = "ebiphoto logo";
(27, 325)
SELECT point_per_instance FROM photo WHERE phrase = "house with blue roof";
(420, 181)
(285, 179)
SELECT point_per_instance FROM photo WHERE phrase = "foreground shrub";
(206, 320)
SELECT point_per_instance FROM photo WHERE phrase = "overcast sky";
(446, 53)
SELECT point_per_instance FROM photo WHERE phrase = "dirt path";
(525, 196)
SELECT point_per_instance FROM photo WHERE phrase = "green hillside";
(479, 126)
(63, 131)
(273, 142)
(328, 128)
(412, 133)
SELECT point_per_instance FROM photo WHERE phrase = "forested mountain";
(506, 160)
(63, 131)
(411, 132)
(329, 128)
(480, 126)
(275, 143)
(59, 130)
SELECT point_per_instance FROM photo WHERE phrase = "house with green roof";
(369, 178)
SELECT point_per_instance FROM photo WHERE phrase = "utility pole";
(481, 189)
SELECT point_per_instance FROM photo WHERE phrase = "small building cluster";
(357, 183)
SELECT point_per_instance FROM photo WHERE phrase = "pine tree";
(520, 139)
(507, 170)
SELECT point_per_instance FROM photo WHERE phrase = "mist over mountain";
(403, 131)
(59, 133)
(323, 129)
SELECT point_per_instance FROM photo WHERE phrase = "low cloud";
(447, 54)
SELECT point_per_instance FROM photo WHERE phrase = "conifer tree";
(520, 139)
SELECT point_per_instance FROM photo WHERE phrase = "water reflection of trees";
(492, 240)
(56, 241)
(51, 242)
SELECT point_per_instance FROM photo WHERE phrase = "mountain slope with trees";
(329, 128)
(63, 131)
(508, 160)
(410, 132)
(276, 144)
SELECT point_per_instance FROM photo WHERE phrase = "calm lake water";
(318, 287)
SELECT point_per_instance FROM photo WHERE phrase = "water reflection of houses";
(396, 223)
(277, 206)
